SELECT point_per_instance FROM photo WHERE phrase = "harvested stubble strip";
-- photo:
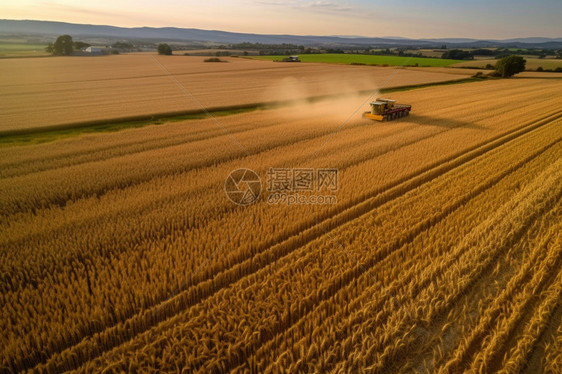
(146, 89)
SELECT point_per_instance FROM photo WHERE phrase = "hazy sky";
(408, 18)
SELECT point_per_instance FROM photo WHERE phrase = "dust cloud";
(327, 98)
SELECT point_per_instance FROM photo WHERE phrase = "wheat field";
(120, 252)
(41, 93)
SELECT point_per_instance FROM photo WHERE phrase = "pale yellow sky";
(407, 18)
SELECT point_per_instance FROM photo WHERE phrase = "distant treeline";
(273, 49)
(453, 54)
(464, 54)
(460, 54)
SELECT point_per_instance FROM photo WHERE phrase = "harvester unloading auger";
(387, 110)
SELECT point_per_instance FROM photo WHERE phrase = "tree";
(457, 54)
(510, 65)
(80, 45)
(63, 46)
(164, 49)
(482, 52)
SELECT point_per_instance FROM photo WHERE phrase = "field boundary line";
(121, 120)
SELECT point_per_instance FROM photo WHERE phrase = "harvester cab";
(387, 110)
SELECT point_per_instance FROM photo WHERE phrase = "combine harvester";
(387, 110)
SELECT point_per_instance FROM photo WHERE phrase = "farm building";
(95, 50)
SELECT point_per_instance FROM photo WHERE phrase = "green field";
(22, 49)
(340, 58)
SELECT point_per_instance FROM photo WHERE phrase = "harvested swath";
(537, 74)
(45, 92)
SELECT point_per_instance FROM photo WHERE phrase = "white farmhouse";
(94, 50)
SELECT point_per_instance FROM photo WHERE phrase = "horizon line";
(268, 34)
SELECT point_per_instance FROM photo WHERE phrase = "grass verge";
(49, 134)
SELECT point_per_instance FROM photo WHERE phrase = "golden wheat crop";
(120, 251)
